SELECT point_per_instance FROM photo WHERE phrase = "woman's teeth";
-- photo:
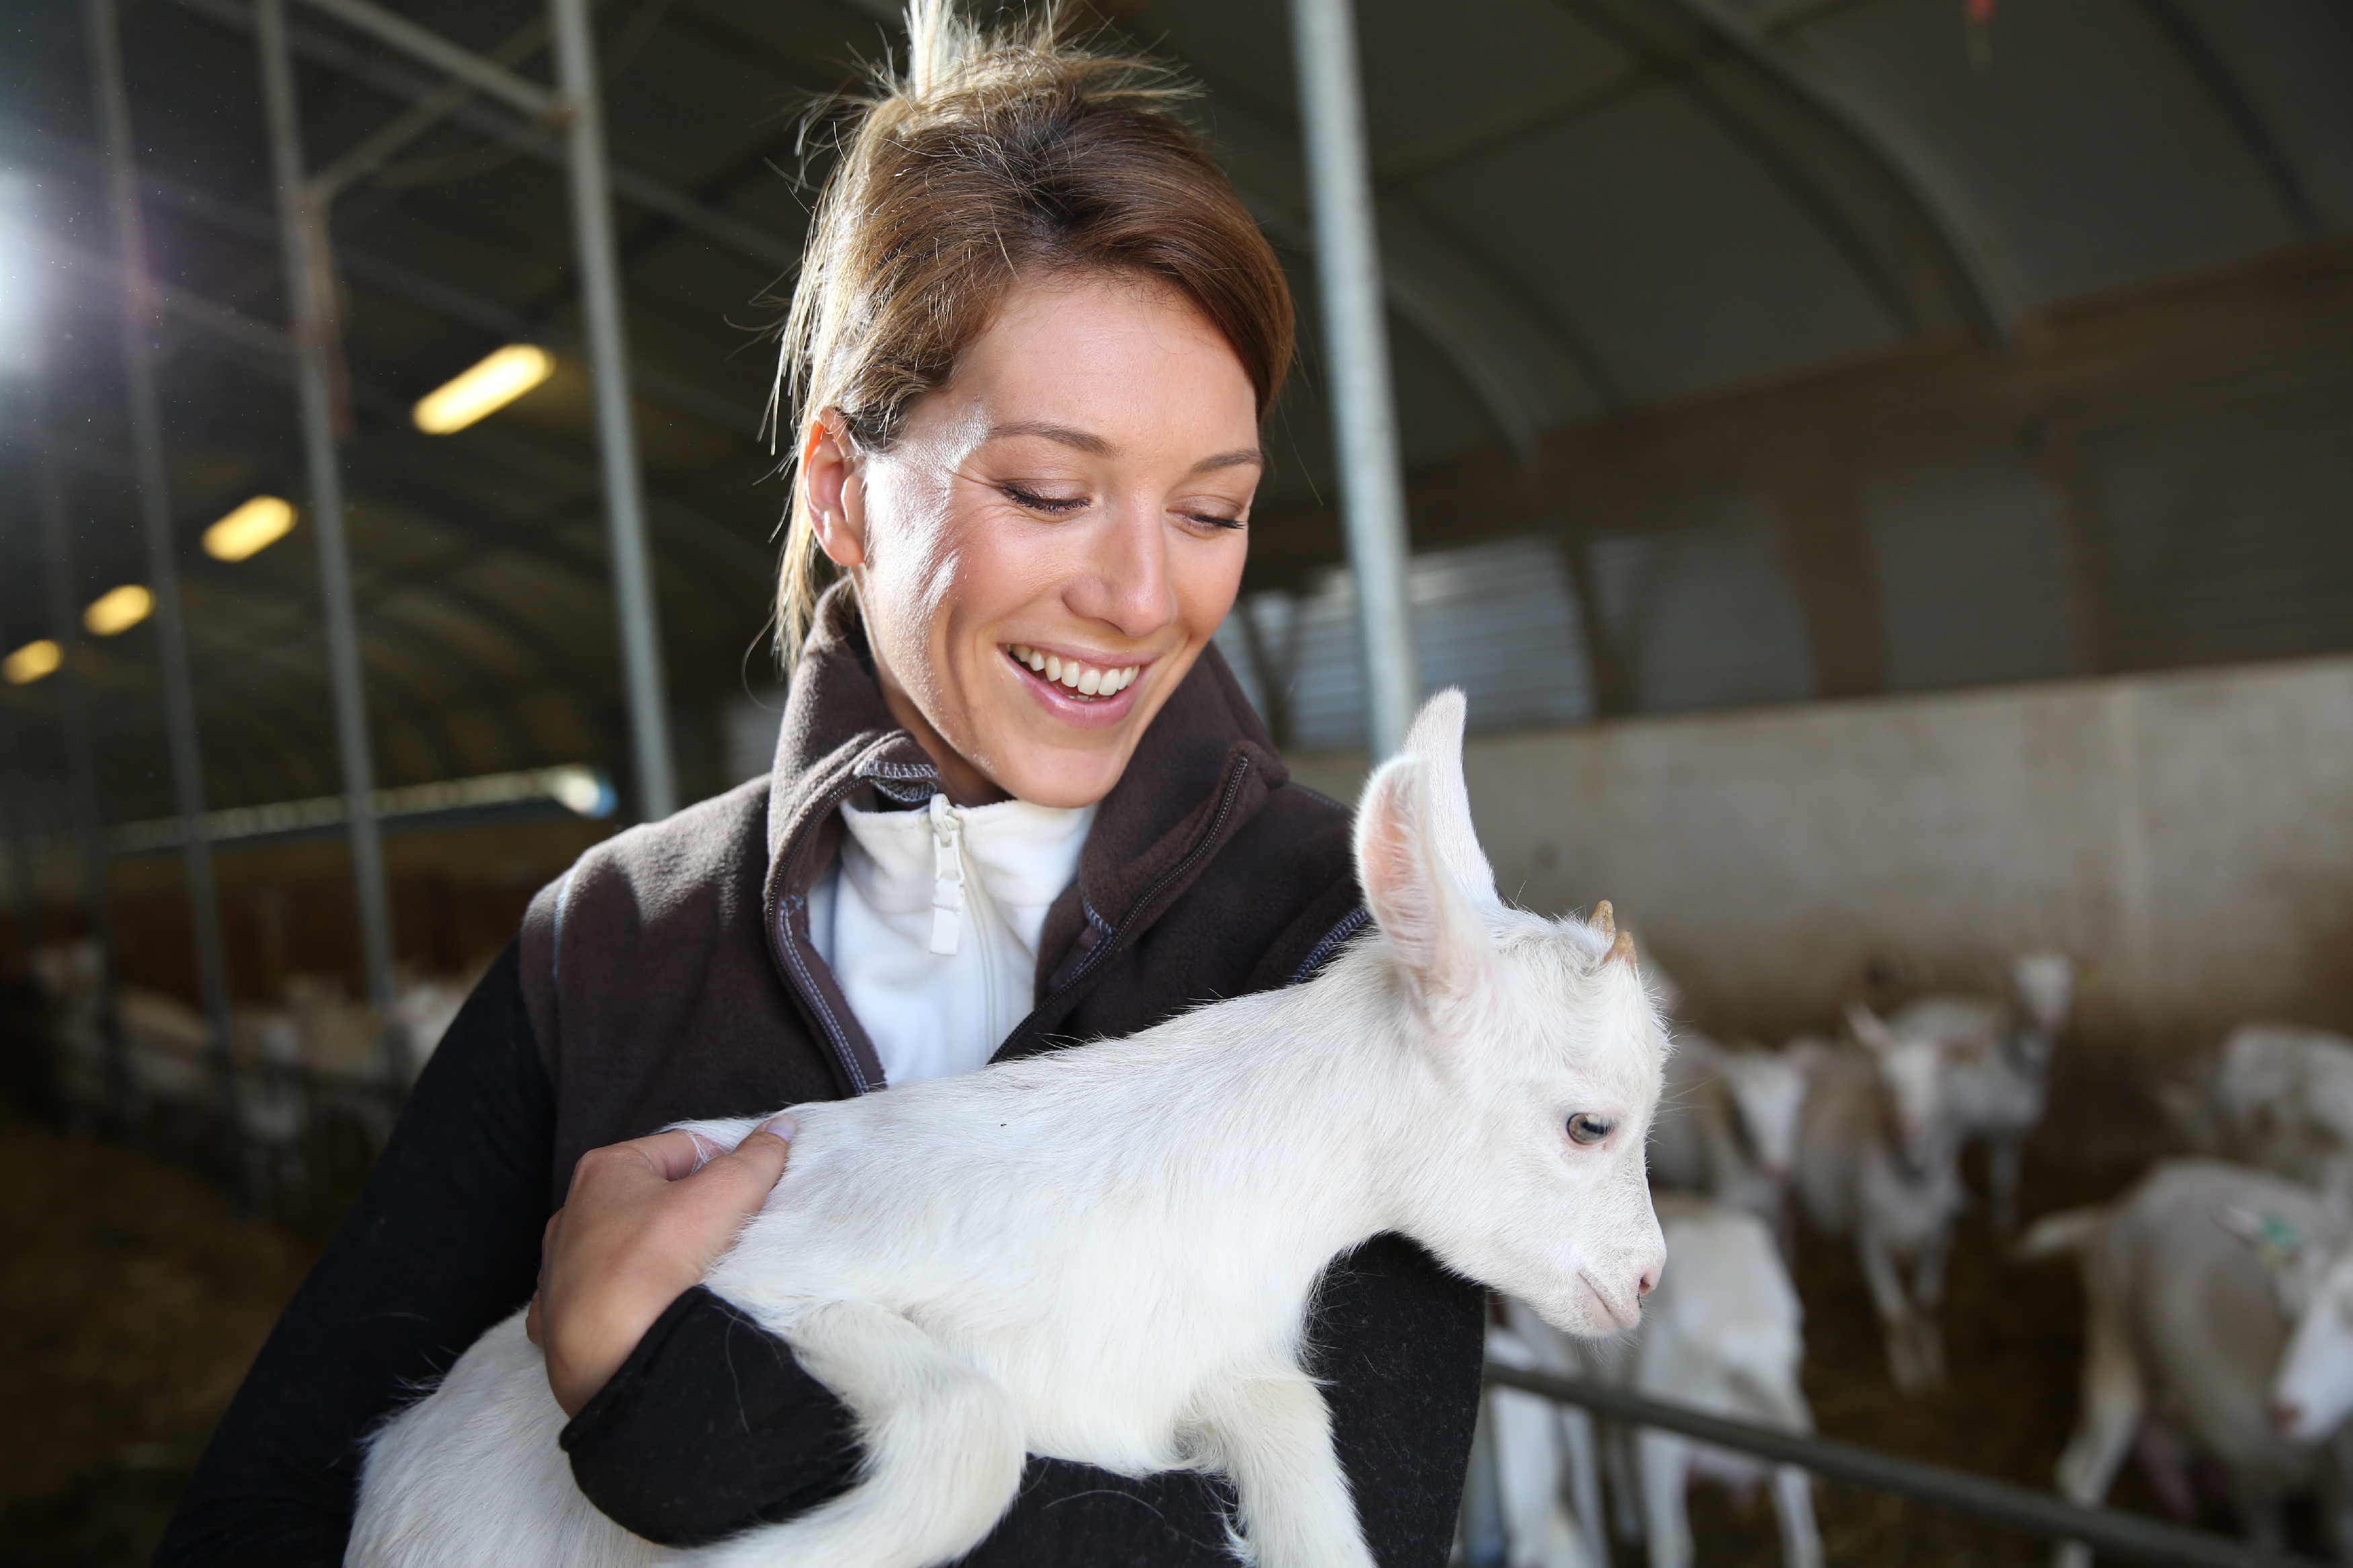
(1083, 678)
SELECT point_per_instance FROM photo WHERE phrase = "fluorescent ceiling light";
(31, 662)
(20, 277)
(119, 609)
(249, 529)
(488, 388)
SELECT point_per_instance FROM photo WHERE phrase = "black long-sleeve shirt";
(711, 1426)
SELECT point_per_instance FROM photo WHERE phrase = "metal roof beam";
(1522, 364)
(1957, 236)
(402, 282)
(520, 458)
(2237, 107)
(430, 48)
(402, 85)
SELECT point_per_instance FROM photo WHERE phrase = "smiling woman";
(1035, 502)
(1019, 802)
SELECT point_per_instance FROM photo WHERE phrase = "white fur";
(1728, 1124)
(1877, 1162)
(1108, 1255)
(2279, 1096)
(1997, 1078)
(2219, 1308)
(1724, 1334)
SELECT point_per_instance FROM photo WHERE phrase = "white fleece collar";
(934, 923)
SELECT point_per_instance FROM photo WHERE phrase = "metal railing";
(2126, 1535)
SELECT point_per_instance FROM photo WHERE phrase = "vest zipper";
(786, 952)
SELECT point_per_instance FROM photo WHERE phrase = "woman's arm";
(711, 1427)
(443, 1243)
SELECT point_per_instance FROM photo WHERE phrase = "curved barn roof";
(1590, 210)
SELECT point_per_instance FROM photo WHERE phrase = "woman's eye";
(1586, 1128)
(1030, 501)
(1212, 519)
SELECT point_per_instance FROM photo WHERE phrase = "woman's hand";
(643, 1223)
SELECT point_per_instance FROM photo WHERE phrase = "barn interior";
(1880, 472)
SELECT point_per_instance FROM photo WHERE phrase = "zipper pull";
(947, 877)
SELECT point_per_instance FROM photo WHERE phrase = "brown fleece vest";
(669, 972)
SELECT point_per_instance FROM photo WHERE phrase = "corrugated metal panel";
(1703, 616)
(1496, 620)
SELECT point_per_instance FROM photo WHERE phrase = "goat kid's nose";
(1648, 1281)
(2287, 1414)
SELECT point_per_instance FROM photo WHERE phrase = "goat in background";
(1998, 1077)
(1877, 1162)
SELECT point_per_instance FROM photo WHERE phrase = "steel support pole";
(23, 896)
(81, 752)
(609, 356)
(1356, 360)
(162, 559)
(310, 296)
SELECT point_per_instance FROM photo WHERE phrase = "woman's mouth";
(1073, 679)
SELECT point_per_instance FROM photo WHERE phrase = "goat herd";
(302, 1073)
(2218, 1289)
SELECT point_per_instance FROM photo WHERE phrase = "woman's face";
(1046, 549)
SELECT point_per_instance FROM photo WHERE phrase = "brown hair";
(992, 157)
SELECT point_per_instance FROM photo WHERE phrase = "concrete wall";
(2189, 836)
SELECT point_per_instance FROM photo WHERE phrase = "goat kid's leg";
(1663, 1460)
(944, 1450)
(1896, 1317)
(1793, 1500)
(1580, 1441)
(1928, 1303)
(1625, 1492)
(2113, 1404)
(1272, 1434)
(1528, 1466)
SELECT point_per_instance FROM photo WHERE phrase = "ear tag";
(947, 877)
(2277, 1242)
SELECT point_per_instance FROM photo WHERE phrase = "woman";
(1018, 803)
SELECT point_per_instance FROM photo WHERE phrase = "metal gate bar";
(2036, 1512)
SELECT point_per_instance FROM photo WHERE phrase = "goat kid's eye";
(1586, 1128)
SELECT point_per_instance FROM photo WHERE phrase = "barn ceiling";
(1589, 208)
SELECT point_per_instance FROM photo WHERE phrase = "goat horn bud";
(1605, 918)
(1621, 951)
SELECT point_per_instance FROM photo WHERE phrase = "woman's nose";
(1125, 578)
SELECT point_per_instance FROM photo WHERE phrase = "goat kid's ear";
(1869, 1026)
(1436, 738)
(1437, 934)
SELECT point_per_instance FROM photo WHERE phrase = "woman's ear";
(833, 490)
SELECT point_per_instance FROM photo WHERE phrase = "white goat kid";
(1108, 1255)
(1724, 1334)
(2280, 1096)
(1997, 1082)
(1876, 1163)
(2221, 1299)
(1541, 1448)
(1728, 1124)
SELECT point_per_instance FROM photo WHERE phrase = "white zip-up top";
(931, 921)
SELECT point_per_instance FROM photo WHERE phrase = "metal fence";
(2130, 1537)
